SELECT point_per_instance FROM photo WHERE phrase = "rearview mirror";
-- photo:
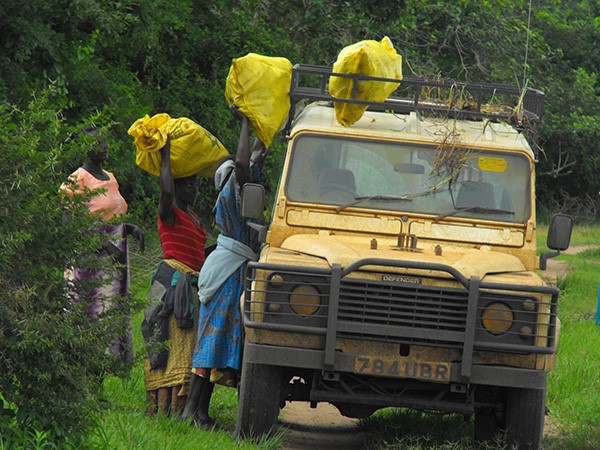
(415, 169)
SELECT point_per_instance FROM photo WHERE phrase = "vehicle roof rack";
(523, 108)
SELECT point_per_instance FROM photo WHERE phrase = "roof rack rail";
(523, 108)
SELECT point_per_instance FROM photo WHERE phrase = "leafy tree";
(570, 164)
(52, 356)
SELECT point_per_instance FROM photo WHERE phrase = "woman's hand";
(259, 153)
(236, 113)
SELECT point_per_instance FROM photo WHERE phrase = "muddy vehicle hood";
(345, 250)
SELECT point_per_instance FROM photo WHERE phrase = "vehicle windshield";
(355, 173)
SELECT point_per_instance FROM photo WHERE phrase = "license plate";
(389, 367)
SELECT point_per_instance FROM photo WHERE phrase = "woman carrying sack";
(172, 315)
(218, 353)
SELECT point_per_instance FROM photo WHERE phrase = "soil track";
(320, 428)
(325, 428)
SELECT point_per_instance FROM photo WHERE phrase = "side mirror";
(559, 237)
(559, 232)
(253, 206)
(253, 201)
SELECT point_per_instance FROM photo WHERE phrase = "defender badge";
(404, 279)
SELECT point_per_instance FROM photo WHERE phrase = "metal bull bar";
(335, 283)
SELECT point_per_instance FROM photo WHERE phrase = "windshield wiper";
(475, 209)
(364, 198)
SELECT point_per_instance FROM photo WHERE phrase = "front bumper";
(313, 360)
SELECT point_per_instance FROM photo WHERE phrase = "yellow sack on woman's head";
(194, 150)
(260, 88)
(371, 58)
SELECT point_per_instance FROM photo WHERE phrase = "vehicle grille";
(375, 307)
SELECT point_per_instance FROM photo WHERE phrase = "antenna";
(527, 44)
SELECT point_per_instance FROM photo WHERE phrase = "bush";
(52, 357)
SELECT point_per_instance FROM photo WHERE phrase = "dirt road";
(325, 428)
(320, 428)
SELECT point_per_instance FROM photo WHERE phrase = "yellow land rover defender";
(399, 266)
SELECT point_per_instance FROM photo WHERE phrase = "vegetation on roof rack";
(448, 98)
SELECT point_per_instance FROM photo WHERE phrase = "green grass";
(125, 425)
(573, 386)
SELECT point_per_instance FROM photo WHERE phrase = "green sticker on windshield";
(490, 164)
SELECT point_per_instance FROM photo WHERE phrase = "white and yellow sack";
(259, 86)
(194, 150)
(371, 58)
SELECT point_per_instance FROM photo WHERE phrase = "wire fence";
(143, 265)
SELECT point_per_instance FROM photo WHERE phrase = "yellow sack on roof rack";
(371, 58)
(260, 88)
(194, 150)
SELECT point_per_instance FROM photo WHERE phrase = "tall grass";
(573, 398)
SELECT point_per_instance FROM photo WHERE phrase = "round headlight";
(305, 300)
(497, 318)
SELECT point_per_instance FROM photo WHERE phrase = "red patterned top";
(183, 241)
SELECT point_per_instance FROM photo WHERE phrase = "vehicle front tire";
(517, 420)
(259, 400)
(488, 425)
(486, 428)
(525, 413)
